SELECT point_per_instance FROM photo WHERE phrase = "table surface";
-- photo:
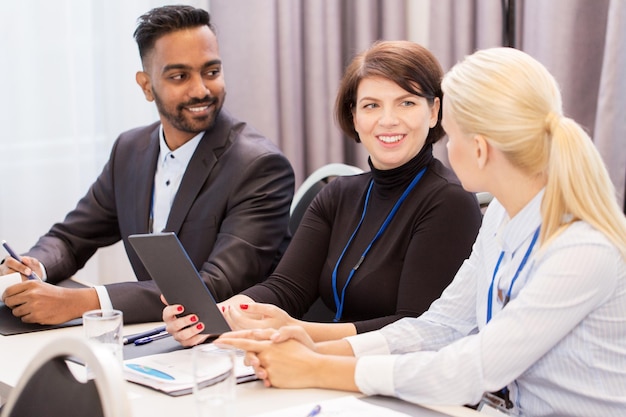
(252, 397)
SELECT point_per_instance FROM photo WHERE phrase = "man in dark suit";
(224, 189)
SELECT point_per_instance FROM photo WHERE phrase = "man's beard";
(190, 124)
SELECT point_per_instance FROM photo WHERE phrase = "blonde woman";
(538, 311)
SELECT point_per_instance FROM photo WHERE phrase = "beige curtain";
(283, 61)
(583, 43)
(458, 28)
(284, 58)
(610, 116)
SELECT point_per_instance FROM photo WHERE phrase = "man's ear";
(143, 80)
(481, 149)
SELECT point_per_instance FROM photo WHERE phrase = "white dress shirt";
(169, 173)
(559, 345)
(171, 166)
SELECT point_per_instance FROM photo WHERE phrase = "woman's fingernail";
(223, 309)
(193, 319)
(243, 306)
(179, 308)
(199, 326)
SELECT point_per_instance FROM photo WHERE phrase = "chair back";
(49, 387)
(484, 198)
(312, 185)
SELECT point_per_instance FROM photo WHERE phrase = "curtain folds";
(69, 87)
(610, 116)
(287, 65)
(586, 52)
(296, 52)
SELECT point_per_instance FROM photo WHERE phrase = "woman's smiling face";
(392, 123)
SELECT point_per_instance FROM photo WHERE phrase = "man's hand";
(29, 265)
(39, 302)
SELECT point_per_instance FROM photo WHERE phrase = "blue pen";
(149, 339)
(315, 411)
(133, 337)
(17, 258)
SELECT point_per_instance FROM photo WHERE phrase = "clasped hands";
(281, 358)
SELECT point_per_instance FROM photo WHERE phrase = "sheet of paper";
(8, 280)
(348, 406)
(170, 372)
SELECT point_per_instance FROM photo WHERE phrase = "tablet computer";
(167, 262)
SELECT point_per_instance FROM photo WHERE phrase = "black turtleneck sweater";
(407, 267)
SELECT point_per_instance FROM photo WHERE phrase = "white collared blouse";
(559, 345)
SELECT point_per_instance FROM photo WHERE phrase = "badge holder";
(494, 405)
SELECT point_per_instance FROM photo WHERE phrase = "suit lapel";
(200, 166)
(146, 157)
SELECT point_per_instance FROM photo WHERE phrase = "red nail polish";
(243, 306)
(193, 319)
(199, 326)
(179, 308)
(223, 309)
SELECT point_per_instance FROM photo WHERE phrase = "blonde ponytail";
(512, 100)
(579, 186)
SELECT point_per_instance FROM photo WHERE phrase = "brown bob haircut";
(408, 64)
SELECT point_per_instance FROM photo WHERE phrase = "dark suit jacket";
(231, 213)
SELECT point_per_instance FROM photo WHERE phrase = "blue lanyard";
(519, 269)
(339, 303)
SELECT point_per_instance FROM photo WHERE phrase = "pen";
(148, 339)
(15, 256)
(152, 332)
(315, 411)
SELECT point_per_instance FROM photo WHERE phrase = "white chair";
(484, 198)
(312, 185)
(48, 387)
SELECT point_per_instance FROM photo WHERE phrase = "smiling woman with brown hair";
(537, 311)
(377, 246)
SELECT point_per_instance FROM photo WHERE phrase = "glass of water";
(214, 380)
(105, 327)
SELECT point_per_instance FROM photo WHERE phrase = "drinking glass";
(105, 327)
(214, 380)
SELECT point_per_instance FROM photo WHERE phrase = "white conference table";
(16, 351)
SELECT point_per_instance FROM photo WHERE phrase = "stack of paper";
(171, 372)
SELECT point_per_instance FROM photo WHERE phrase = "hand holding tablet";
(170, 267)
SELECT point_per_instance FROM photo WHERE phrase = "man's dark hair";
(163, 20)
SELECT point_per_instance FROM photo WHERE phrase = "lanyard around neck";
(519, 269)
(339, 302)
